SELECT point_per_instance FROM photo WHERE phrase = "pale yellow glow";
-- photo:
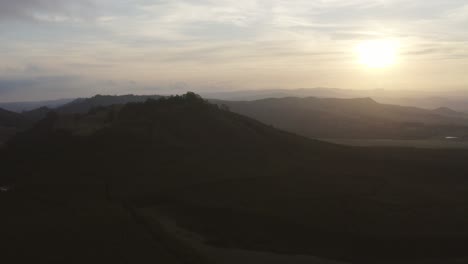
(377, 53)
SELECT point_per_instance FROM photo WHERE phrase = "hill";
(10, 124)
(352, 118)
(239, 183)
(357, 118)
(11, 119)
(37, 114)
(30, 114)
(83, 105)
(423, 99)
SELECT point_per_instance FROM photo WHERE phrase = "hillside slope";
(11, 119)
(10, 124)
(352, 118)
(423, 99)
(243, 184)
(359, 118)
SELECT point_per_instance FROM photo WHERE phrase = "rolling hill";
(31, 112)
(423, 99)
(37, 114)
(239, 183)
(357, 118)
(83, 105)
(11, 119)
(10, 124)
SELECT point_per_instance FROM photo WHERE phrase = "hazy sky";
(67, 48)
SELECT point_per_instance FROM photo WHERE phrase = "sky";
(54, 49)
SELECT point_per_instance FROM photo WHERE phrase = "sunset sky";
(66, 48)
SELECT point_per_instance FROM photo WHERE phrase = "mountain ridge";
(351, 118)
(360, 117)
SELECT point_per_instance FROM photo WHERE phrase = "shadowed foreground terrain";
(80, 182)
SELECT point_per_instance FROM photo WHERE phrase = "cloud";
(9, 85)
(54, 87)
(45, 10)
(236, 43)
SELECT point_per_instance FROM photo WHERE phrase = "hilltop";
(83, 105)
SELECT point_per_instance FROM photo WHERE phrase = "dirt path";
(180, 252)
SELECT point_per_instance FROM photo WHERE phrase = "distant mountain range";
(457, 100)
(422, 99)
(353, 118)
(236, 182)
(28, 106)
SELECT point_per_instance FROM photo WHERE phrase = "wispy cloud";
(236, 43)
(47, 10)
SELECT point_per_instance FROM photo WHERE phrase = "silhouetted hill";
(449, 112)
(11, 119)
(238, 183)
(326, 117)
(251, 95)
(352, 118)
(83, 105)
(10, 124)
(457, 100)
(36, 115)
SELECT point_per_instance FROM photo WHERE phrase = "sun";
(377, 53)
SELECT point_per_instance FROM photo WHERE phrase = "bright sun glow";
(377, 53)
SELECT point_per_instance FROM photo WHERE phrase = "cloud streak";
(47, 10)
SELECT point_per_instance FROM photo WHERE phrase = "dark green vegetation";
(353, 118)
(238, 182)
(83, 105)
(12, 123)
